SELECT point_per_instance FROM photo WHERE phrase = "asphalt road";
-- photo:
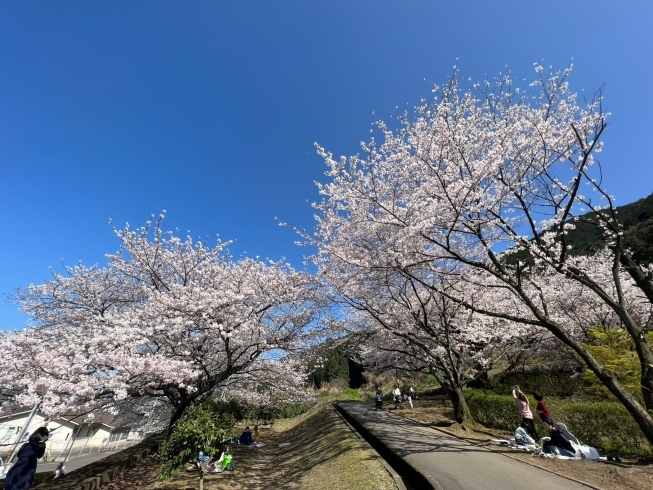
(74, 463)
(451, 462)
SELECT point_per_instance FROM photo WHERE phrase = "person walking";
(21, 474)
(396, 393)
(525, 411)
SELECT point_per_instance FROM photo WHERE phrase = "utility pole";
(72, 442)
(22, 433)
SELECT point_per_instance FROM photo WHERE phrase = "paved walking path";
(453, 463)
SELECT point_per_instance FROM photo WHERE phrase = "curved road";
(451, 463)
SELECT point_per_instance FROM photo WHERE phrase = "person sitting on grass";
(542, 410)
(257, 435)
(558, 443)
(246, 437)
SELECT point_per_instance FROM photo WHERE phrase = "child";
(378, 399)
(257, 435)
(542, 410)
(60, 471)
(411, 393)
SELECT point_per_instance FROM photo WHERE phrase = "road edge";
(408, 472)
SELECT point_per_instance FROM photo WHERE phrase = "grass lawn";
(323, 455)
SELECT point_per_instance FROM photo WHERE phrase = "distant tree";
(331, 364)
(404, 325)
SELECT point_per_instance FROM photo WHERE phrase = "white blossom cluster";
(166, 319)
(441, 209)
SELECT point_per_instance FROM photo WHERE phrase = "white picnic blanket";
(582, 451)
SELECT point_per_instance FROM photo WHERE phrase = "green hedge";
(603, 425)
(554, 384)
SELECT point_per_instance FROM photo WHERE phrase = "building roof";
(101, 418)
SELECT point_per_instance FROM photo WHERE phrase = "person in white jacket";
(396, 393)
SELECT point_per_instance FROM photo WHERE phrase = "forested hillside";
(637, 218)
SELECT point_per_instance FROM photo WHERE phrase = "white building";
(75, 434)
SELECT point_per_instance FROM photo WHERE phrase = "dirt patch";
(323, 454)
(437, 412)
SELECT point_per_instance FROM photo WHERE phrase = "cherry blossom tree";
(405, 325)
(166, 319)
(477, 179)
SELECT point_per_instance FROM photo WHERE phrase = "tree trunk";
(460, 409)
(643, 418)
(647, 386)
(645, 283)
(646, 364)
(177, 413)
(201, 480)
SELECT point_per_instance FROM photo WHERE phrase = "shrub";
(199, 430)
(604, 425)
(615, 350)
(348, 394)
(558, 384)
(267, 413)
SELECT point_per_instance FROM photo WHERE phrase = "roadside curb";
(408, 472)
(440, 429)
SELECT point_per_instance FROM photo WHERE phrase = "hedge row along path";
(450, 462)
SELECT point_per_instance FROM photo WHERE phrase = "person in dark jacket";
(558, 443)
(246, 437)
(21, 474)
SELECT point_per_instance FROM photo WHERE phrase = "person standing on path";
(21, 474)
(411, 393)
(396, 393)
(525, 411)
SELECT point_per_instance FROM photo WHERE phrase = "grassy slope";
(323, 455)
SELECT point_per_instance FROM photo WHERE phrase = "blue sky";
(209, 110)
